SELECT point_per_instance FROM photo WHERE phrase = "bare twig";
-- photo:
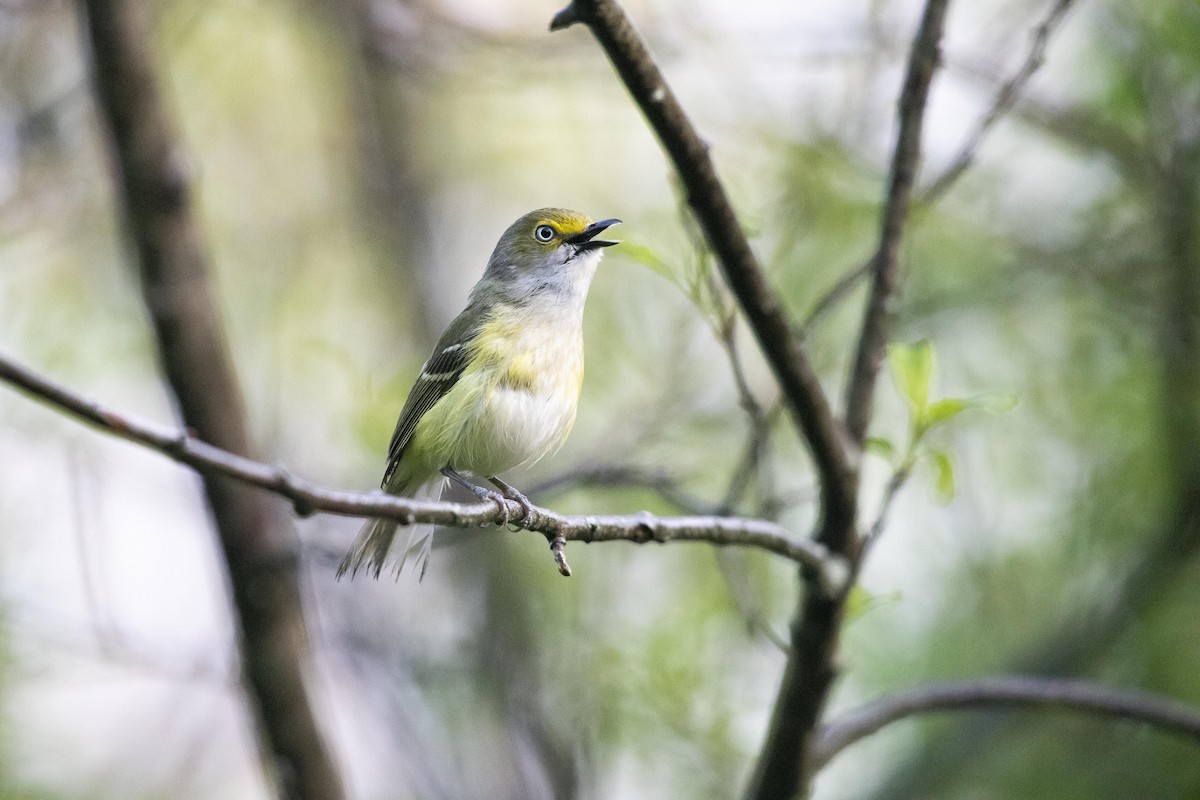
(762, 422)
(1162, 713)
(706, 195)
(308, 498)
(894, 485)
(620, 476)
(746, 398)
(558, 548)
(154, 197)
(750, 463)
(885, 265)
(835, 294)
(1005, 99)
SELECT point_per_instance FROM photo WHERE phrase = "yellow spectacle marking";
(566, 223)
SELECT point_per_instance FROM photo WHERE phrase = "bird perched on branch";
(501, 387)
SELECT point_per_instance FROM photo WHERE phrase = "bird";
(500, 389)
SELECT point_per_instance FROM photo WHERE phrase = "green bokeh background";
(354, 164)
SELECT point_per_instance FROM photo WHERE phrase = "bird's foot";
(486, 495)
(511, 493)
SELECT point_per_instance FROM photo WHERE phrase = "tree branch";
(706, 195)
(154, 198)
(924, 59)
(1165, 714)
(308, 498)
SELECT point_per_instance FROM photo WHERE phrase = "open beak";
(586, 239)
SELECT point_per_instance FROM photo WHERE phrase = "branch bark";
(308, 498)
(257, 545)
(1167, 715)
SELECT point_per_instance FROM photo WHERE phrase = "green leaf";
(858, 602)
(912, 369)
(942, 411)
(943, 476)
(994, 403)
(881, 447)
(648, 258)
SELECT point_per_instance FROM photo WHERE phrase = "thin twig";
(1006, 97)
(308, 498)
(885, 265)
(1003, 102)
(1164, 714)
(835, 295)
(894, 485)
(762, 422)
(620, 476)
(750, 463)
(746, 398)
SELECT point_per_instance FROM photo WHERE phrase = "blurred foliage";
(355, 162)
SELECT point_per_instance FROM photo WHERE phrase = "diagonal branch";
(308, 498)
(924, 59)
(706, 195)
(1169, 716)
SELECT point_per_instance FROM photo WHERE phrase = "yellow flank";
(513, 405)
(520, 374)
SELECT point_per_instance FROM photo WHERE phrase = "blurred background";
(354, 163)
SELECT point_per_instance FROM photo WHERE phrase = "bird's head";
(551, 249)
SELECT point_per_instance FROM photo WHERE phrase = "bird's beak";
(586, 239)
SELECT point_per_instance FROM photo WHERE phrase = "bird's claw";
(511, 493)
(501, 505)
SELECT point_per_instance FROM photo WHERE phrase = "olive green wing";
(438, 376)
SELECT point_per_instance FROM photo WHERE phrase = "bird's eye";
(543, 233)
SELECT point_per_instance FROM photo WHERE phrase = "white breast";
(515, 425)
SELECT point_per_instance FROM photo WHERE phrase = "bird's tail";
(374, 542)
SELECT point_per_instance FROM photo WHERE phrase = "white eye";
(543, 233)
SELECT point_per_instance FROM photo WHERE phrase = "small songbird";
(501, 387)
